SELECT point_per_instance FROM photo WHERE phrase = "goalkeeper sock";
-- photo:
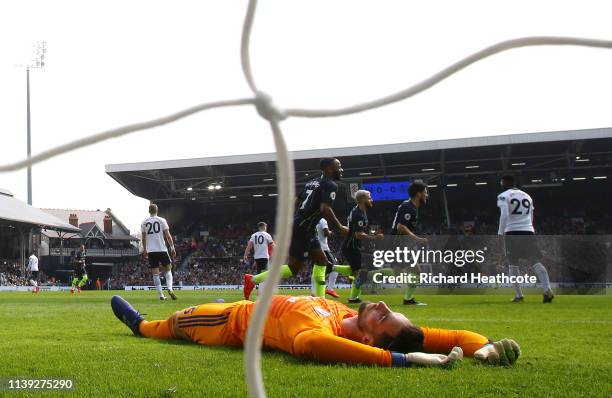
(318, 279)
(169, 280)
(262, 276)
(84, 280)
(344, 270)
(331, 280)
(157, 283)
(75, 280)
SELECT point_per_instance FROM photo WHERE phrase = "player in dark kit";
(405, 222)
(351, 247)
(80, 272)
(315, 201)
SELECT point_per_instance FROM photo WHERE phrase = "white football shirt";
(153, 227)
(516, 211)
(261, 240)
(322, 226)
(33, 263)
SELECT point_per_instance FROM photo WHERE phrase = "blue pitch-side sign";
(396, 190)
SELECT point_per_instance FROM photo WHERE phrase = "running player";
(516, 223)
(156, 239)
(351, 247)
(404, 223)
(80, 270)
(323, 330)
(315, 201)
(323, 233)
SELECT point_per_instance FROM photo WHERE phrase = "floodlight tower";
(37, 62)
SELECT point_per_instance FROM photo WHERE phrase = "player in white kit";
(516, 224)
(33, 270)
(260, 243)
(323, 233)
(156, 240)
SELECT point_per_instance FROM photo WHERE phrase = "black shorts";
(522, 245)
(302, 241)
(353, 257)
(34, 275)
(80, 271)
(157, 259)
(332, 261)
(261, 264)
(330, 257)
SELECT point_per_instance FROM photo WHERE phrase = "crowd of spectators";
(216, 257)
(11, 274)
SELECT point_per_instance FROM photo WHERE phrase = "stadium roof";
(245, 176)
(15, 211)
(87, 219)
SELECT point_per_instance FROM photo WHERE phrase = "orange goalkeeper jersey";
(300, 325)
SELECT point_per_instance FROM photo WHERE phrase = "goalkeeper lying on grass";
(324, 330)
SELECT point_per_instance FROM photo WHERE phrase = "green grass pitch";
(566, 346)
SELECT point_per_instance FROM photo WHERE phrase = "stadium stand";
(216, 202)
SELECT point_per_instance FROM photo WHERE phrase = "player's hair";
(508, 180)
(153, 208)
(326, 162)
(409, 339)
(362, 193)
(416, 187)
(261, 224)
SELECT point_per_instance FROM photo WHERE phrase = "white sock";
(313, 291)
(542, 276)
(514, 270)
(157, 283)
(169, 280)
(331, 280)
(260, 287)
